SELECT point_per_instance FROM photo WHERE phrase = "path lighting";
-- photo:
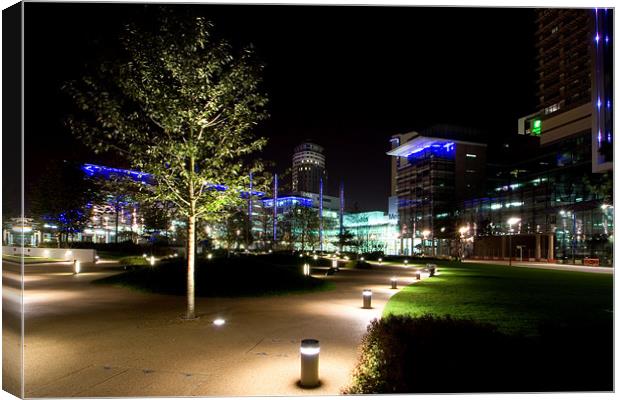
(96, 259)
(271, 251)
(380, 260)
(152, 260)
(394, 282)
(367, 298)
(46, 253)
(144, 255)
(431, 269)
(335, 264)
(309, 362)
(511, 222)
(418, 275)
(76, 267)
(176, 254)
(301, 256)
(362, 258)
(315, 257)
(209, 256)
(346, 258)
(219, 322)
(406, 261)
(306, 269)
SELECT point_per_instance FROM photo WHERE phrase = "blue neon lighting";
(93, 170)
(289, 201)
(438, 149)
(107, 173)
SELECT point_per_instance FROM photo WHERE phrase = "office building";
(308, 168)
(434, 169)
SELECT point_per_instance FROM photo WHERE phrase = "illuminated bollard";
(152, 260)
(431, 269)
(301, 255)
(76, 267)
(362, 258)
(380, 260)
(406, 261)
(335, 264)
(367, 298)
(315, 257)
(144, 255)
(418, 275)
(209, 256)
(394, 282)
(309, 362)
(306, 269)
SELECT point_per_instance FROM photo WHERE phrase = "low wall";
(83, 255)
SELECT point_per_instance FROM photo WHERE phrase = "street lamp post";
(511, 222)
(425, 234)
(463, 230)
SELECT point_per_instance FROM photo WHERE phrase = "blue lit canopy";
(420, 143)
(93, 170)
(289, 201)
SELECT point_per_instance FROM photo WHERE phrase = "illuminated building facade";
(308, 168)
(575, 80)
(434, 170)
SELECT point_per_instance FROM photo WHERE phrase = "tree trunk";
(191, 244)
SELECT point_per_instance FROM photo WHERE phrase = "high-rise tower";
(575, 80)
(308, 168)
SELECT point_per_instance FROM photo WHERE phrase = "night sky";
(345, 77)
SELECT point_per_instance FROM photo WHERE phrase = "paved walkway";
(88, 340)
(562, 267)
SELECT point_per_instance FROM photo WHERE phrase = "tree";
(305, 225)
(180, 105)
(63, 197)
(345, 239)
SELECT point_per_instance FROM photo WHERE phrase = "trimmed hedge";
(401, 354)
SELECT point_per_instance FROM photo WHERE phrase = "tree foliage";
(181, 105)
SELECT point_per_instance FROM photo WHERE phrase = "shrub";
(402, 354)
(133, 260)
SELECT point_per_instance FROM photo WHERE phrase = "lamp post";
(425, 234)
(463, 230)
(511, 222)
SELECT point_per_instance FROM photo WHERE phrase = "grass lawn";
(222, 277)
(517, 300)
(29, 259)
(490, 328)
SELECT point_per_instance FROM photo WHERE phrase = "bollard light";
(394, 282)
(406, 261)
(315, 257)
(306, 269)
(417, 275)
(76, 267)
(144, 255)
(219, 322)
(271, 251)
(346, 258)
(301, 255)
(335, 264)
(380, 260)
(152, 260)
(309, 362)
(209, 256)
(362, 258)
(176, 254)
(367, 298)
(46, 253)
(96, 259)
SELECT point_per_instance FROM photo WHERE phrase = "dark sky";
(345, 77)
